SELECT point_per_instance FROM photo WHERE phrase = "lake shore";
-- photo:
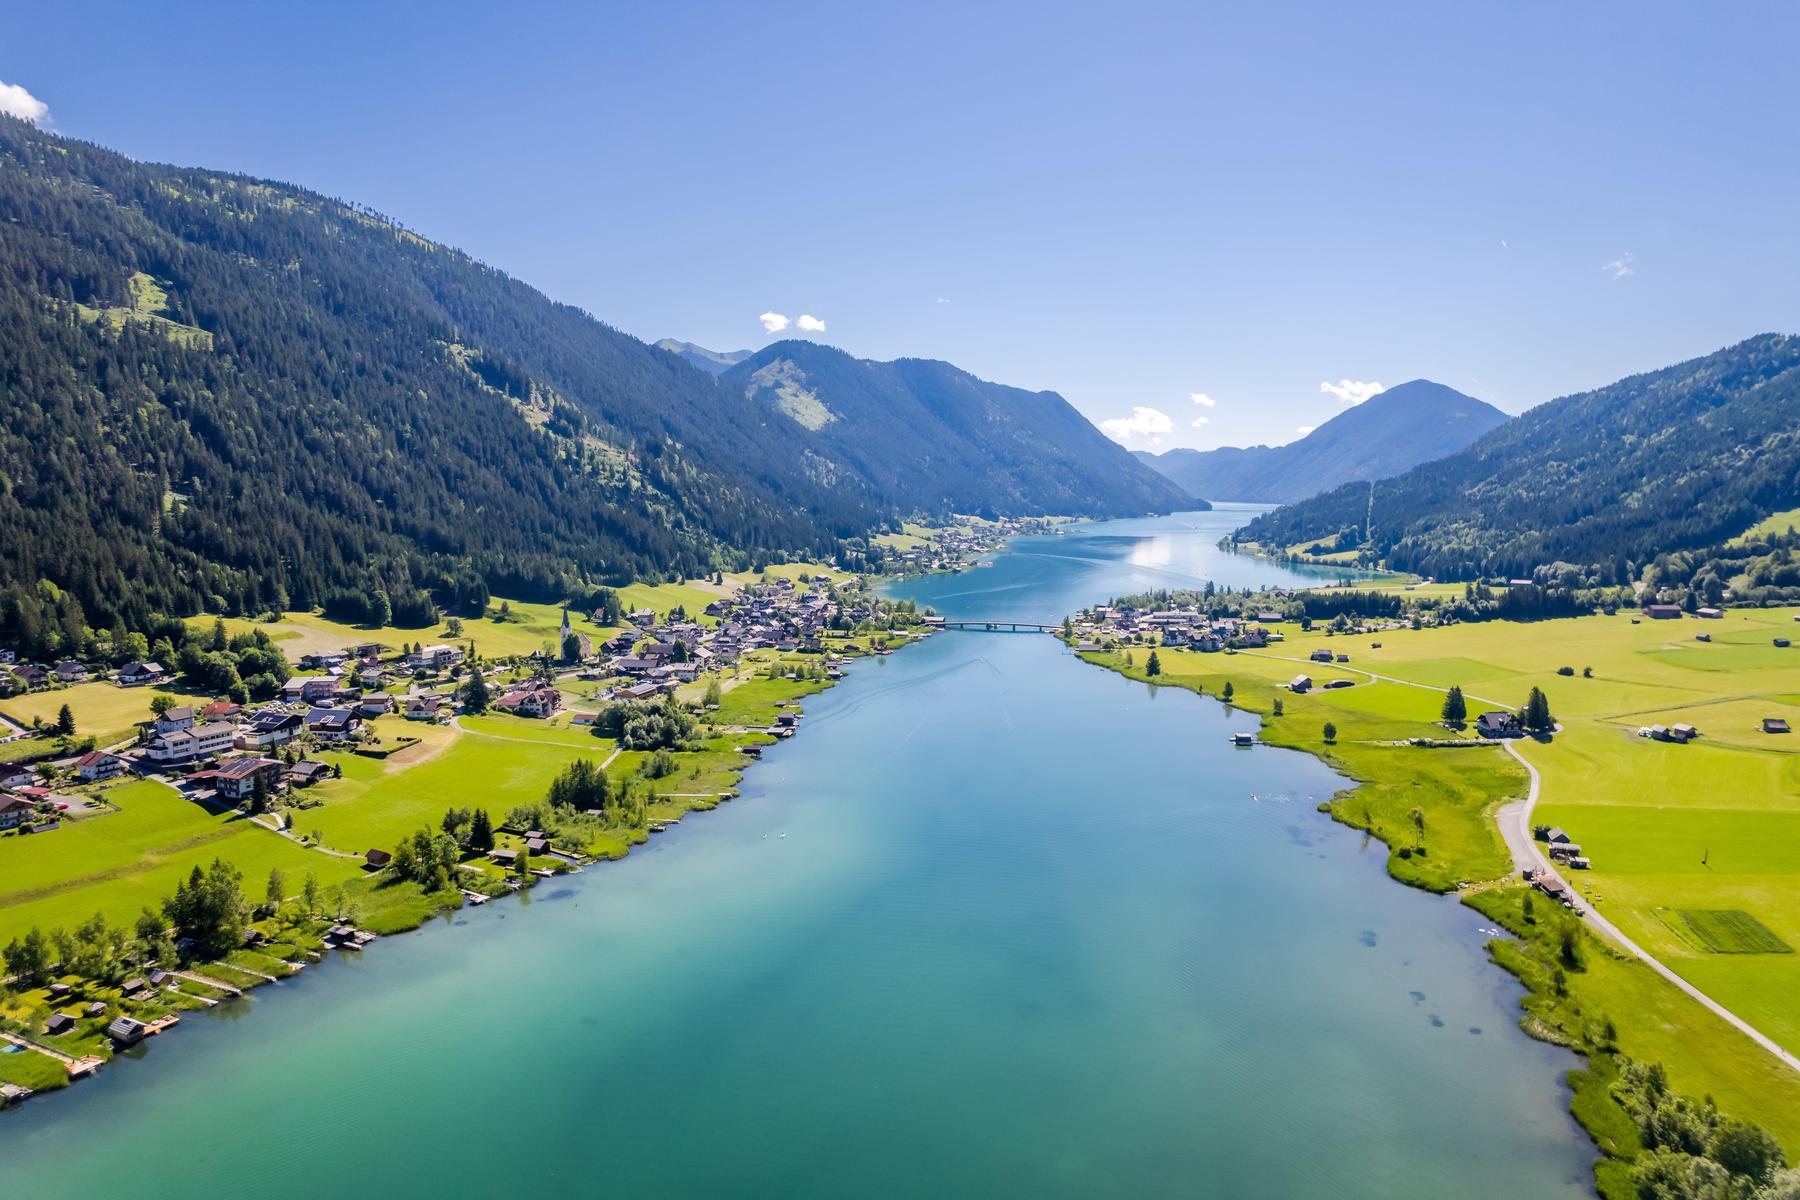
(1432, 797)
(375, 903)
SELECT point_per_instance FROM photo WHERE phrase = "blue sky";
(1129, 204)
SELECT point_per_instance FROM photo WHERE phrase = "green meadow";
(117, 863)
(1711, 827)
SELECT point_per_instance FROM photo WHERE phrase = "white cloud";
(1305, 429)
(1351, 391)
(808, 323)
(1202, 398)
(1197, 422)
(943, 300)
(15, 101)
(1619, 267)
(1147, 423)
(773, 322)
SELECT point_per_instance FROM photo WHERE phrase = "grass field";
(103, 711)
(529, 628)
(1708, 828)
(117, 863)
(1723, 931)
(1781, 522)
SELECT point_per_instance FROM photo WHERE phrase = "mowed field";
(1696, 848)
(103, 711)
(528, 628)
(118, 863)
(1711, 826)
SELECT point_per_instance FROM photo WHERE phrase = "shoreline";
(1555, 1003)
(194, 987)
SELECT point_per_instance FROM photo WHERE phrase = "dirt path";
(1514, 819)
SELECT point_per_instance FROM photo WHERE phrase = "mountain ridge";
(1388, 433)
(915, 424)
(714, 362)
(1678, 458)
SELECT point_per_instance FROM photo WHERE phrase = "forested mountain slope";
(1385, 435)
(1685, 457)
(235, 395)
(925, 434)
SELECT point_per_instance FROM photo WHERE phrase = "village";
(358, 723)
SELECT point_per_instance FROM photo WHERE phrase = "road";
(1515, 829)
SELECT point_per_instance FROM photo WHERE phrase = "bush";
(1565, 670)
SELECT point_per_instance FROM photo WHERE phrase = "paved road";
(1515, 830)
(1515, 827)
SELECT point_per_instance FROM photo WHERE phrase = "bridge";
(993, 626)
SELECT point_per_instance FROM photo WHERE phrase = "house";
(131, 987)
(1242, 739)
(435, 658)
(1709, 614)
(187, 745)
(377, 859)
(1683, 733)
(174, 719)
(136, 674)
(426, 708)
(1321, 655)
(127, 1031)
(222, 710)
(268, 729)
(333, 724)
(1774, 725)
(1300, 683)
(1499, 724)
(236, 779)
(31, 677)
(58, 1024)
(97, 765)
(15, 811)
(322, 662)
(69, 671)
(535, 699)
(306, 772)
(375, 704)
(537, 845)
(1663, 612)
(505, 858)
(161, 978)
(1557, 836)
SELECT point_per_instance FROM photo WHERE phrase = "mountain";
(227, 394)
(1388, 433)
(230, 394)
(926, 435)
(715, 362)
(1681, 458)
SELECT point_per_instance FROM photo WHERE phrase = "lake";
(996, 922)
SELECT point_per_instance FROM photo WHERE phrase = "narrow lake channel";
(997, 923)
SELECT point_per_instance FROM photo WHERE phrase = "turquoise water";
(1032, 930)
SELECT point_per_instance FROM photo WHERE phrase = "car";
(62, 807)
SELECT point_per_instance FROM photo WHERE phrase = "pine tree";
(476, 697)
(65, 721)
(1153, 666)
(1456, 709)
(481, 831)
(1537, 718)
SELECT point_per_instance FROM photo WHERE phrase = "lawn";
(104, 711)
(120, 862)
(528, 628)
